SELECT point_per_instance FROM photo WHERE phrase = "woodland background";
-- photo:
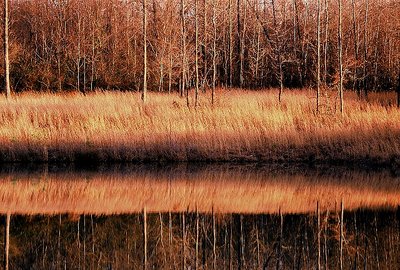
(85, 45)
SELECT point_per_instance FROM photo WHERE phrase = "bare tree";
(318, 51)
(196, 52)
(6, 55)
(214, 22)
(144, 92)
(340, 56)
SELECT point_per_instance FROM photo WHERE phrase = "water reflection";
(206, 241)
(224, 188)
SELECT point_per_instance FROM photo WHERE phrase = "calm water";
(212, 217)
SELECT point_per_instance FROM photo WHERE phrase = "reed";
(241, 126)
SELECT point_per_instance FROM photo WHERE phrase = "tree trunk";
(326, 43)
(398, 92)
(318, 52)
(205, 46)
(144, 92)
(183, 32)
(365, 50)
(196, 52)
(6, 56)
(230, 44)
(214, 22)
(340, 57)
(355, 83)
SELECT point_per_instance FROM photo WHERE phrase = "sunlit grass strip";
(244, 126)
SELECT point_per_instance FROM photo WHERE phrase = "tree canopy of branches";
(69, 44)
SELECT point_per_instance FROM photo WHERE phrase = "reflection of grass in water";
(226, 188)
(242, 126)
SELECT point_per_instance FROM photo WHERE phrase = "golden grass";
(227, 189)
(243, 125)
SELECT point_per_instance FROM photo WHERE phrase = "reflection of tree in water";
(371, 239)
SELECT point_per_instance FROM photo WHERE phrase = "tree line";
(58, 45)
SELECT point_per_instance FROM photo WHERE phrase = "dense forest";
(85, 45)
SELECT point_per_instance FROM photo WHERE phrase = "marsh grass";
(241, 126)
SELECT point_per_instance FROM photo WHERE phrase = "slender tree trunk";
(78, 60)
(214, 22)
(170, 56)
(398, 91)
(93, 60)
(326, 42)
(355, 83)
(196, 52)
(144, 92)
(257, 56)
(340, 57)
(318, 52)
(205, 46)
(239, 34)
(6, 56)
(365, 84)
(230, 43)
(183, 30)
(242, 37)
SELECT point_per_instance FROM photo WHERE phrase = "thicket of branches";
(83, 45)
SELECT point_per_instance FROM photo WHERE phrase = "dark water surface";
(200, 216)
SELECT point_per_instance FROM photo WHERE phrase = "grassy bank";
(242, 126)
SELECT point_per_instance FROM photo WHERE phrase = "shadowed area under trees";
(83, 45)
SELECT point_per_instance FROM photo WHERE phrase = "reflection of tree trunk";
(325, 239)
(341, 233)
(183, 242)
(319, 234)
(214, 241)
(356, 236)
(144, 239)
(197, 240)
(7, 240)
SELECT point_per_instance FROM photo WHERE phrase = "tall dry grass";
(225, 189)
(243, 125)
